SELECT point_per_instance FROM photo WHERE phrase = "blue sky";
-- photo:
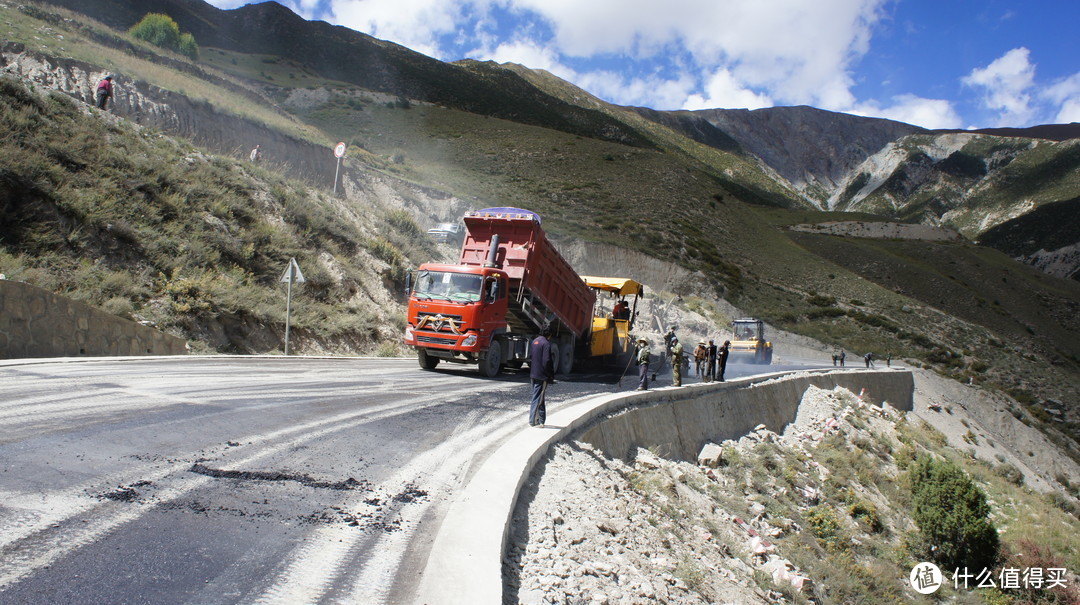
(937, 64)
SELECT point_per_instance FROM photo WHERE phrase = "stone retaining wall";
(38, 323)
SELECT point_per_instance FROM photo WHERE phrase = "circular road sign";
(339, 151)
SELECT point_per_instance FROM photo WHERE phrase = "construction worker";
(104, 91)
(699, 359)
(710, 362)
(721, 357)
(541, 374)
(676, 361)
(621, 310)
(642, 357)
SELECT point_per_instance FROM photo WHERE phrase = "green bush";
(160, 30)
(952, 513)
(1010, 473)
(868, 513)
(825, 526)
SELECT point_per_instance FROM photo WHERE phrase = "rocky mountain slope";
(813, 149)
(969, 182)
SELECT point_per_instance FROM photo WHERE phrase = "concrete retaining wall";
(678, 425)
(38, 323)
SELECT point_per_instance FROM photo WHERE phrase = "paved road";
(240, 479)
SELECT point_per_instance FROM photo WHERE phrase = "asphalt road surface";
(242, 479)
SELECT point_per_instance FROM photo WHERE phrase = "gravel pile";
(587, 537)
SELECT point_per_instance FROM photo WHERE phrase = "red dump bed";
(532, 263)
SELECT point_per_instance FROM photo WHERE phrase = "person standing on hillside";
(104, 91)
(541, 374)
(676, 361)
(642, 356)
(721, 357)
(256, 154)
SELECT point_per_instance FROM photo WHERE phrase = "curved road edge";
(465, 562)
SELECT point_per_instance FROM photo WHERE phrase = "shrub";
(160, 30)
(1010, 473)
(1026, 554)
(952, 513)
(868, 513)
(825, 526)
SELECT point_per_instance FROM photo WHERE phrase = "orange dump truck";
(509, 281)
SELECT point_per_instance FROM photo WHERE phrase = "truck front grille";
(436, 340)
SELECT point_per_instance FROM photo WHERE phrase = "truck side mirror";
(408, 283)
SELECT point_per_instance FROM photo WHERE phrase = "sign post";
(292, 274)
(339, 152)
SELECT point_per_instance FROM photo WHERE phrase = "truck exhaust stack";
(493, 252)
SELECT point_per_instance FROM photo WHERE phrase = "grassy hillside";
(148, 227)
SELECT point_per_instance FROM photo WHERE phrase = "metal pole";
(337, 171)
(288, 308)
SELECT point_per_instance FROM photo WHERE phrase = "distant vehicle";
(748, 344)
(446, 233)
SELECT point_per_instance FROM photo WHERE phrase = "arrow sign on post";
(292, 274)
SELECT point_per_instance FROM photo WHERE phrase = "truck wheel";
(427, 362)
(768, 357)
(566, 358)
(492, 362)
(556, 360)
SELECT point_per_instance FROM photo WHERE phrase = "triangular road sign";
(292, 273)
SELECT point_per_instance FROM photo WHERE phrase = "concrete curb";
(465, 562)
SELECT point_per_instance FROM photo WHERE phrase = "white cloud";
(911, 109)
(723, 91)
(1007, 83)
(415, 24)
(609, 85)
(1070, 112)
(529, 54)
(652, 91)
(796, 51)
(1065, 96)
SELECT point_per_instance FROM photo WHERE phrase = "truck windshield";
(745, 330)
(458, 287)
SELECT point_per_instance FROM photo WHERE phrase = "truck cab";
(454, 312)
